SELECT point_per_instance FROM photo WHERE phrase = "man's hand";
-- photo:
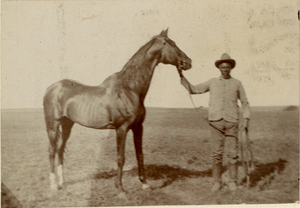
(245, 124)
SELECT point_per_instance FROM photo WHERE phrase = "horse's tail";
(52, 106)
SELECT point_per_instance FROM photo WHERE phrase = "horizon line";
(199, 107)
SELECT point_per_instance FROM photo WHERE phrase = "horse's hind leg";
(52, 130)
(66, 126)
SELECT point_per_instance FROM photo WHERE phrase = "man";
(223, 117)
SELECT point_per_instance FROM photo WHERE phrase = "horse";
(117, 103)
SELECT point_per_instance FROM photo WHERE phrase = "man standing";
(223, 117)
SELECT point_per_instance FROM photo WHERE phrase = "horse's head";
(171, 54)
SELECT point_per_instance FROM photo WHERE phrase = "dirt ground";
(177, 161)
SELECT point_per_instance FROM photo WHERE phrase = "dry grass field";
(177, 161)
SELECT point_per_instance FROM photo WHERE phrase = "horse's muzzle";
(183, 65)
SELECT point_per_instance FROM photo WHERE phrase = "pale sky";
(45, 41)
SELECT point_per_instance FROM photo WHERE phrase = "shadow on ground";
(153, 172)
(165, 174)
(265, 171)
(170, 173)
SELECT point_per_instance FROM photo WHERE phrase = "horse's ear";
(164, 32)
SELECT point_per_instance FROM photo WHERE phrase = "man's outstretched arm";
(194, 89)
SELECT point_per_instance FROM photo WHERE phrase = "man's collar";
(221, 77)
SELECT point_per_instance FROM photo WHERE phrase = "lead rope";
(192, 100)
(181, 75)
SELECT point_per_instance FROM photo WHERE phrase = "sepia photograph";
(149, 103)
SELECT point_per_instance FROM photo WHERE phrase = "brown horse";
(118, 103)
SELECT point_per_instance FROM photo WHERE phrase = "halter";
(163, 41)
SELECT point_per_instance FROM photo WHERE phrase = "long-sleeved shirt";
(224, 94)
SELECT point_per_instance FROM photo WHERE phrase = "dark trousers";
(220, 131)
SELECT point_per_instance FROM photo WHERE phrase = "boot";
(216, 174)
(233, 169)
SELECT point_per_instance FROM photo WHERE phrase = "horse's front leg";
(121, 140)
(138, 137)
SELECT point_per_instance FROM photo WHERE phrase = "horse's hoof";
(51, 193)
(146, 186)
(122, 195)
(53, 187)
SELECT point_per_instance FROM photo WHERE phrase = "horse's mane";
(129, 71)
(139, 56)
(132, 68)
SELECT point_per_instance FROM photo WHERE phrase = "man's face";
(225, 69)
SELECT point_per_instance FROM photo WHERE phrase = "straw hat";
(225, 58)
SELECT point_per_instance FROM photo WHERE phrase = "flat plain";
(176, 148)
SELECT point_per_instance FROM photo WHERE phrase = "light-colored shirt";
(224, 94)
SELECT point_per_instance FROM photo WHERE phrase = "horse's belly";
(89, 116)
(100, 123)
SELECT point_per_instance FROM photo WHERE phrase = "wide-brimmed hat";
(225, 58)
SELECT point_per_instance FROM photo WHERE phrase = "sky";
(45, 41)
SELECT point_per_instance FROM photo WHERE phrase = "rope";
(249, 164)
(181, 75)
(192, 100)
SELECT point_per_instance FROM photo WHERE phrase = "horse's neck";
(138, 78)
(137, 73)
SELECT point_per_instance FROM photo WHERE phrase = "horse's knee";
(51, 150)
(52, 147)
(51, 153)
(140, 158)
(52, 134)
(121, 160)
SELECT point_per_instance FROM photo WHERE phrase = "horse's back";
(92, 106)
(63, 89)
(83, 104)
